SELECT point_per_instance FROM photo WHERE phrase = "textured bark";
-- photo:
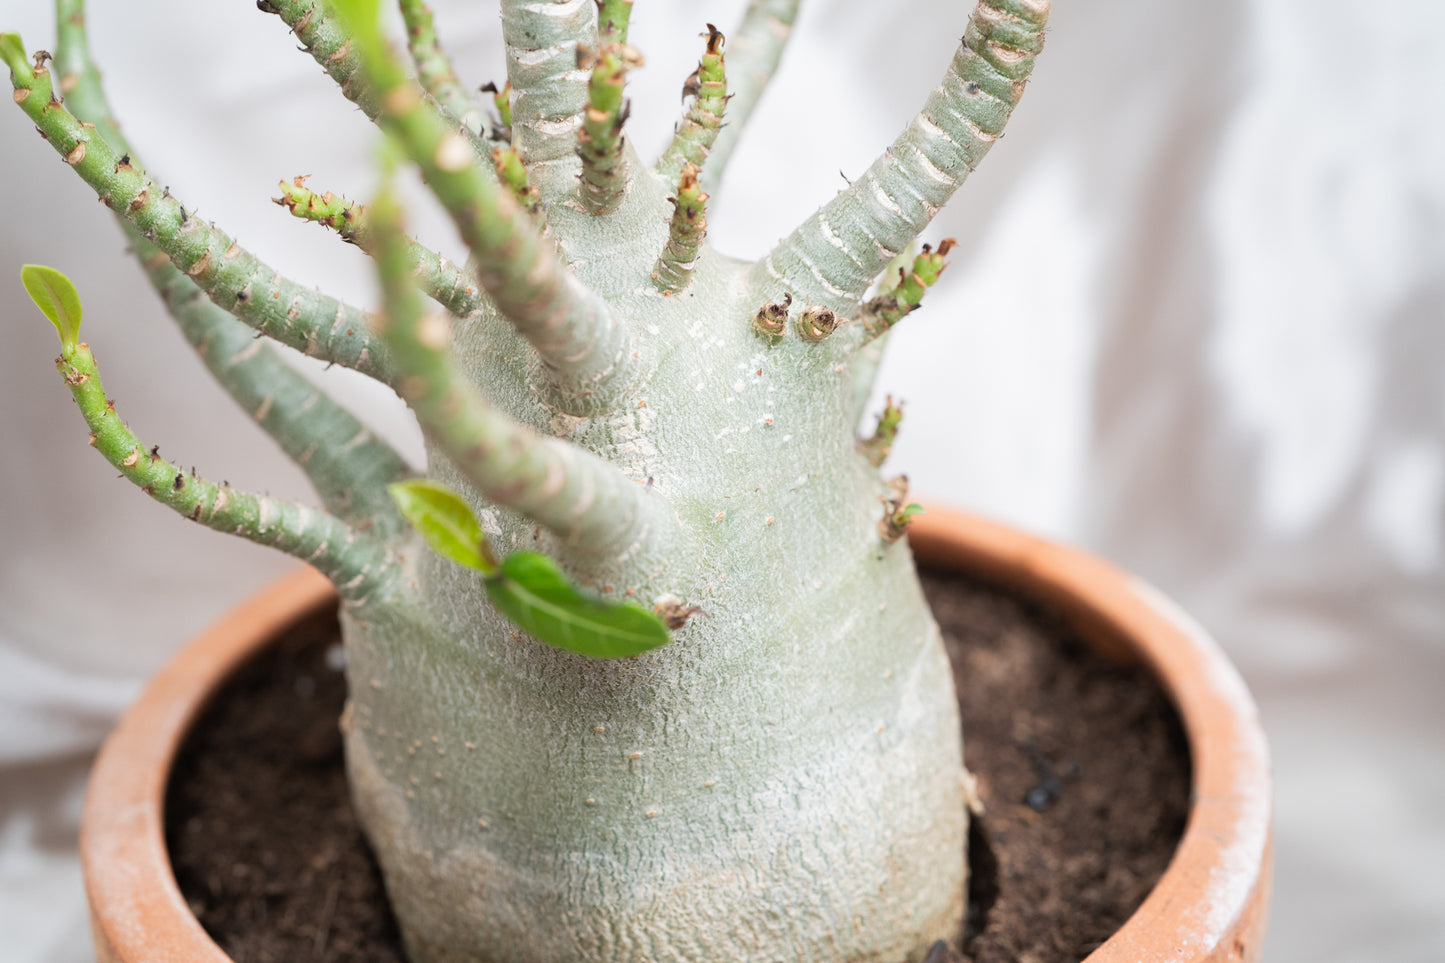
(837, 253)
(788, 764)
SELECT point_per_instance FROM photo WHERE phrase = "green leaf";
(12, 52)
(56, 297)
(446, 522)
(913, 509)
(533, 593)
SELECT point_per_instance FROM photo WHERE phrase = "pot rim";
(1209, 904)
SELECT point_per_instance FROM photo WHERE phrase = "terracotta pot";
(1208, 906)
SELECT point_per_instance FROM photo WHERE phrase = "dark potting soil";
(1081, 764)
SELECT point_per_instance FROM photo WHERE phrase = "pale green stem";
(328, 43)
(585, 500)
(549, 93)
(434, 68)
(685, 234)
(836, 254)
(877, 446)
(869, 357)
(613, 18)
(348, 465)
(358, 564)
(513, 175)
(600, 140)
(699, 130)
(235, 279)
(444, 282)
(904, 294)
(755, 49)
(583, 348)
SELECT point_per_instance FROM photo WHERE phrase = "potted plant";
(667, 623)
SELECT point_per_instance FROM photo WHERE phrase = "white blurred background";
(1194, 325)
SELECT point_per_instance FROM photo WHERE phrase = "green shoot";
(526, 587)
(55, 295)
(446, 523)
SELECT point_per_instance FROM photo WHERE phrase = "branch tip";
(513, 175)
(835, 254)
(686, 231)
(599, 139)
(898, 511)
(613, 18)
(876, 449)
(905, 296)
(757, 48)
(707, 87)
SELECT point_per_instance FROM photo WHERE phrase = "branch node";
(771, 321)
(599, 139)
(898, 511)
(904, 296)
(816, 323)
(686, 231)
(707, 86)
(877, 448)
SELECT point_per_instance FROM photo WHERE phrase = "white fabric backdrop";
(1194, 325)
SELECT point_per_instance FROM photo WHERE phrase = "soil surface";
(1081, 764)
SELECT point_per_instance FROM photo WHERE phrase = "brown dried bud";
(675, 612)
(816, 324)
(772, 321)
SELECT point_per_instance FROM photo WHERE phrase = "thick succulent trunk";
(782, 782)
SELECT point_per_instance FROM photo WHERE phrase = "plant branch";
(600, 141)
(755, 50)
(323, 36)
(549, 93)
(686, 231)
(513, 175)
(582, 498)
(235, 279)
(358, 564)
(904, 294)
(568, 325)
(836, 254)
(434, 68)
(709, 92)
(348, 465)
(613, 19)
(442, 281)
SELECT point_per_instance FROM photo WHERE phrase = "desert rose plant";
(640, 668)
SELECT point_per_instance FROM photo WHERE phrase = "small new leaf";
(532, 592)
(12, 52)
(446, 522)
(55, 295)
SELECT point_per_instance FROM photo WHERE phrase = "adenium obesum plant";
(664, 687)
